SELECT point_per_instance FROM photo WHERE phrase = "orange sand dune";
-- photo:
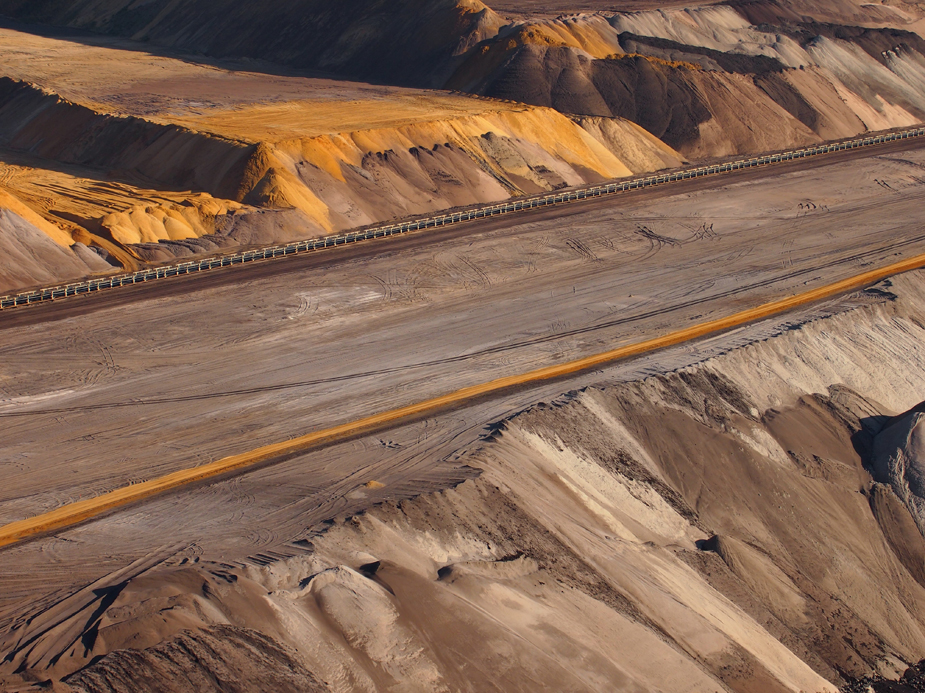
(194, 142)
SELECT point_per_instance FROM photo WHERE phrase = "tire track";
(202, 280)
(81, 511)
(488, 351)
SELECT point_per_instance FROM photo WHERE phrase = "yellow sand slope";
(160, 150)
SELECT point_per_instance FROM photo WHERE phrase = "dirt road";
(140, 389)
(72, 514)
(334, 256)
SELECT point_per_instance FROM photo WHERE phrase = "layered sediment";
(721, 527)
(573, 100)
(708, 80)
(36, 251)
(372, 40)
(146, 173)
(711, 80)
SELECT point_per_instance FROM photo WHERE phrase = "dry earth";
(744, 514)
(411, 42)
(712, 80)
(582, 533)
(175, 154)
(168, 157)
(578, 528)
(709, 79)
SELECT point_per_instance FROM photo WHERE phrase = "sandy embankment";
(414, 42)
(202, 148)
(716, 528)
(37, 251)
(710, 81)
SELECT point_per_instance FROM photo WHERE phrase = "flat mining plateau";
(126, 393)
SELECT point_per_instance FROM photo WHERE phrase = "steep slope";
(165, 157)
(223, 659)
(410, 42)
(715, 528)
(706, 80)
(857, 11)
(38, 253)
(709, 80)
(78, 204)
(898, 454)
(334, 181)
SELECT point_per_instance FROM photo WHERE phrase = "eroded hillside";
(707, 79)
(726, 527)
(744, 514)
(172, 157)
(574, 97)
(411, 42)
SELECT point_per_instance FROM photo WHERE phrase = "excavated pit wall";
(47, 125)
(714, 528)
(302, 186)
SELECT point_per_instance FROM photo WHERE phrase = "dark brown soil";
(912, 681)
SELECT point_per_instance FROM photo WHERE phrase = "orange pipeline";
(74, 513)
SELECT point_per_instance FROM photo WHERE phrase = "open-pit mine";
(545, 345)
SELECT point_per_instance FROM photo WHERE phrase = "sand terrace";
(232, 99)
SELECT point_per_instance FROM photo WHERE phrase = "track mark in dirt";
(403, 287)
(384, 285)
(656, 241)
(897, 160)
(735, 255)
(662, 241)
(787, 246)
(7, 174)
(307, 305)
(261, 536)
(108, 362)
(482, 279)
(582, 249)
(705, 233)
(529, 266)
(493, 350)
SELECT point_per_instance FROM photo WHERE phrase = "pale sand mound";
(74, 203)
(215, 142)
(361, 177)
(153, 223)
(634, 146)
(336, 181)
(636, 64)
(31, 258)
(899, 461)
(546, 150)
(24, 212)
(706, 80)
(710, 529)
(332, 181)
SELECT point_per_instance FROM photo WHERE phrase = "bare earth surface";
(743, 513)
(539, 8)
(164, 155)
(214, 95)
(241, 367)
